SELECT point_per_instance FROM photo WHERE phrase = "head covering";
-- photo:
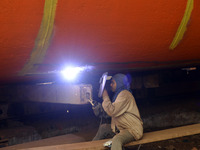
(122, 84)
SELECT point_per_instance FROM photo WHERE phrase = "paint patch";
(183, 25)
(43, 39)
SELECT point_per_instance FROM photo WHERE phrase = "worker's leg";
(103, 132)
(120, 139)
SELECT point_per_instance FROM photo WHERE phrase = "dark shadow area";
(165, 98)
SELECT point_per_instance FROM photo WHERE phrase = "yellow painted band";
(43, 38)
(183, 25)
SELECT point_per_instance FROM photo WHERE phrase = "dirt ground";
(183, 143)
(83, 124)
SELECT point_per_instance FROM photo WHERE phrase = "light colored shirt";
(124, 113)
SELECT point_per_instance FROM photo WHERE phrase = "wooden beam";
(48, 93)
(148, 138)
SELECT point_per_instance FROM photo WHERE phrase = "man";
(123, 111)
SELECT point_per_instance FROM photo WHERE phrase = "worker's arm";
(97, 109)
(118, 107)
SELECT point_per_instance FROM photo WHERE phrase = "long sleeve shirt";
(125, 114)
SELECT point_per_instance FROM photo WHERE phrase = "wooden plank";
(168, 134)
(3, 142)
(148, 138)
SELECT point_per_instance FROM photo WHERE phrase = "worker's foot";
(107, 144)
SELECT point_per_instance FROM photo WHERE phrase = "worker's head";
(113, 85)
(119, 81)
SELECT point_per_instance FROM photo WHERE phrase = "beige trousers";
(120, 139)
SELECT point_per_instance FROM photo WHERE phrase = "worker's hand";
(91, 102)
(105, 93)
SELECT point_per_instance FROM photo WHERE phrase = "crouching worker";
(123, 111)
